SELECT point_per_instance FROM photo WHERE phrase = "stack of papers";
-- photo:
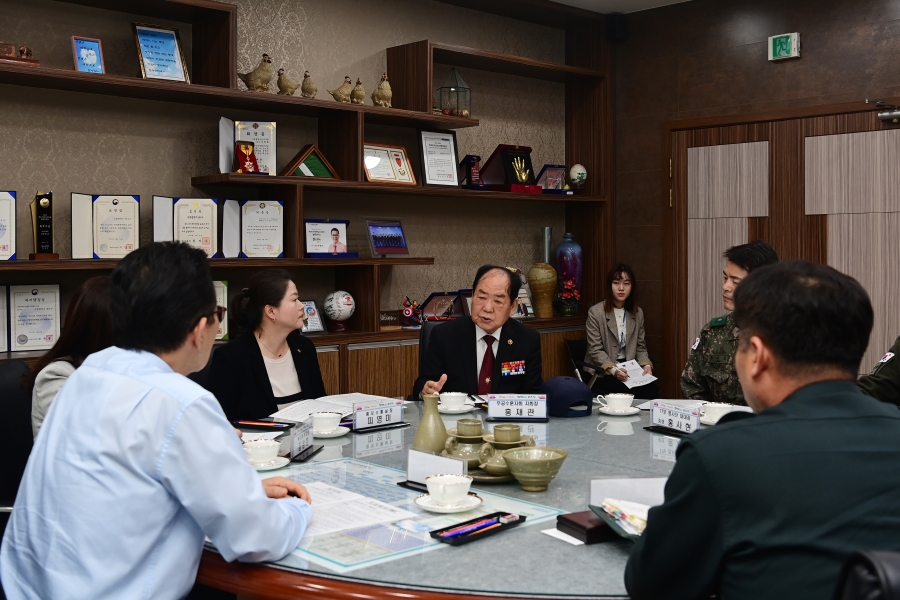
(630, 516)
(635, 372)
(340, 403)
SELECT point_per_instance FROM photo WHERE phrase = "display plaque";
(262, 134)
(4, 321)
(387, 164)
(42, 226)
(116, 220)
(439, 158)
(313, 322)
(262, 229)
(221, 288)
(7, 226)
(34, 317)
(160, 53)
(196, 223)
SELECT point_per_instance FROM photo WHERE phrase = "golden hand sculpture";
(522, 174)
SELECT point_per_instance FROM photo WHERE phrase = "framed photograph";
(313, 322)
(386, 237)
(88, 55)
(440, 162)
(327, 238)
(160, 53)
(465, 300)
(309, 162)
(387, 164)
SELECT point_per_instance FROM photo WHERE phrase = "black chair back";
(15, 431)
(424, 337)
(872, 575)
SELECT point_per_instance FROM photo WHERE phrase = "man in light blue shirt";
(135, 463)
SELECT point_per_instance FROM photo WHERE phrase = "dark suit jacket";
(238, 377)
(452, 350)
(771, 506)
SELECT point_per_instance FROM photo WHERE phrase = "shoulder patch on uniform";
(718, 321)
(887, 357)
(696, 343)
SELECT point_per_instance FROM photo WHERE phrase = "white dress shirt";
(133, 465)
(481, 346)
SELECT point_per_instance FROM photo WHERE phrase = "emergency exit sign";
(784, 46)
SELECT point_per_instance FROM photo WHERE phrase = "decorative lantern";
(454, 97)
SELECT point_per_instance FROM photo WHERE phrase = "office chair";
(871, 575)
(424, 337)
(15, 433)
(577, 351)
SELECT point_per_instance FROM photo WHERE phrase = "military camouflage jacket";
(709, 373)
(884, 380)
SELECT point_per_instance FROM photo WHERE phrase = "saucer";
(465, 439)
(455, 411)
(489, 438)
(427, 502)
(485, 477)
(631, 410)
(332, 434)
(279, 462)
(705, 421)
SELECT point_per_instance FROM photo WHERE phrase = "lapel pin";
(509, 342)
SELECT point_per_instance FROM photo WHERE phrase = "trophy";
(42, 227)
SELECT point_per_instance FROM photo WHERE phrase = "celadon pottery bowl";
(534, 467)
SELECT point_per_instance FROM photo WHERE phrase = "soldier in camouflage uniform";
(884, 380)
(710, 373)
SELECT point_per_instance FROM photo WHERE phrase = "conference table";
(521, 562)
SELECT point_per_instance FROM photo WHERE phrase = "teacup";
(453, 400)
(616, 401)
(469, 427)
(507, 433)
(325, 422)
(616, 427)
(260, 452)
(713, 411)
(448, 489)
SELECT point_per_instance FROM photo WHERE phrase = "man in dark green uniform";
(884, 380)
(709, 373)
(770, 506)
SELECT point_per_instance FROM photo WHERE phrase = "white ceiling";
(618, 6)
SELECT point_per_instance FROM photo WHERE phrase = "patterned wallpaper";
(69, 142)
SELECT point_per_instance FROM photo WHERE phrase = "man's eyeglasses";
(220, 313)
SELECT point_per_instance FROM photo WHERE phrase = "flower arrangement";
(569, 297)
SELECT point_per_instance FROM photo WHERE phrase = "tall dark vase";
(569, 260)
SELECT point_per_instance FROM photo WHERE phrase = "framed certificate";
(386, 237)
(159, 52)
(387, 164)
(196, 222)
(327, 238)
(88, 55)
(262, 229)
(4, 321)
(7, 226)
(313, 322)
(440, 165)
(34, 317)
(262, 134)
(116, 220)
(221, 288)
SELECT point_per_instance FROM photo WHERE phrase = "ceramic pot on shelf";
(431, 434)
(542, 282)
(569, 259)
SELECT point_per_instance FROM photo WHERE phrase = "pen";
(263, 424)
(485, 529)
(468, 528)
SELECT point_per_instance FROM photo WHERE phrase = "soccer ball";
(339, 306)
(577, 175)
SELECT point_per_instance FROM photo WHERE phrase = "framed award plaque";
(221, 288)
(88, 54)
(386, 236)
(327, 238)
(387, 164)
(313, 322)
(440, 165)
(7, 225)
(160, 53)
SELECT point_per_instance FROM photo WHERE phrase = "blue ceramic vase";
(569, 260)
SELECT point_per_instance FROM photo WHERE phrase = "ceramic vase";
(431, 434)
(569, 260)
(542, 281)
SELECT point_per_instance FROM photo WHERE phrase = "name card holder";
(420, 465)
(377, 414)
(302, 448)
(517, 407)
(673, 420)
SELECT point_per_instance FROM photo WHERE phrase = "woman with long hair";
(271, 363)
(86, 329)
(615, 334)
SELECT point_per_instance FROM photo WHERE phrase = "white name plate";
(301, 437)
(376, 413)
(377, 442)
(663, 447)
(677, 418)
(517, 406)
(420, 465)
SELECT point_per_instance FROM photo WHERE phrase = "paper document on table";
(252, 437)
(643, 490)
(635, 372)
(688, 404)
(337, 509)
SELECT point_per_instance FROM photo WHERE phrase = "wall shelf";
(473, 58)
(107, 264)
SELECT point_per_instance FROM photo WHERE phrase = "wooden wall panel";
(554, 355)
(729, 180)
(341, 136)
(409, 367)
(375, 371)
(410, 70)
(329, 364)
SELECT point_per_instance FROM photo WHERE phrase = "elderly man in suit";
(490, 353)
(770, 506)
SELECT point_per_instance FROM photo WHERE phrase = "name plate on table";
(377, 442)
(377, 413)
(301, 437)
(664, 447)
(420, 465)
(670, 418)
(517, 407)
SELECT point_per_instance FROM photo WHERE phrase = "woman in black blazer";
(271, 363)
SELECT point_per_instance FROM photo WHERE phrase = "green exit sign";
(784, 46)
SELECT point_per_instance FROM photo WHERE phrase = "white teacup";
(616, 427)
(260, 452)
(448, 489)
(713, 411)
(325, 422)
(453, 400)
(616, 401)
